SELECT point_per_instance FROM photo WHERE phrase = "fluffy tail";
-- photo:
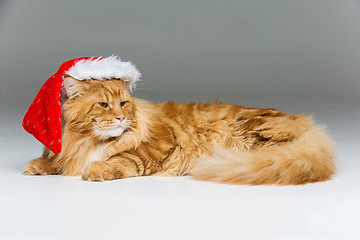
(305, 160)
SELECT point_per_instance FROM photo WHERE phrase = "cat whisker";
(154, 136)
(139, 131)
(147, 135)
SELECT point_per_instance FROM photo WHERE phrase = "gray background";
(299, 56)
(303, 49)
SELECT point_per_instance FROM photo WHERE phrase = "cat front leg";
(116, 167)
(39, 166)
(42, 165)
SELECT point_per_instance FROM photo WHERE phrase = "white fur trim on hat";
(105, 68)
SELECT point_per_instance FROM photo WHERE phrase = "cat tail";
(307, 159)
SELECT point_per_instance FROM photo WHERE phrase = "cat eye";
(104, 104)
(122, 103)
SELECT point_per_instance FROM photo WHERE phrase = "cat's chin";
(110, 133)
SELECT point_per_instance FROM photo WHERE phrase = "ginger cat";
(108, 134)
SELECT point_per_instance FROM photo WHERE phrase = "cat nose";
(120, 118)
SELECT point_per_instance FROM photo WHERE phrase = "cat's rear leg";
(41, 165)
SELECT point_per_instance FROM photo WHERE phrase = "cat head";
(103, 109)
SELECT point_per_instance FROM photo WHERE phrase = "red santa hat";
(43, 118)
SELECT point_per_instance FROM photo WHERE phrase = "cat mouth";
(116, 127)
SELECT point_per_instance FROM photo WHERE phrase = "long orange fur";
(216, 142)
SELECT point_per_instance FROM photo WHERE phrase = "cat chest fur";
(97, 153)
(78, 156)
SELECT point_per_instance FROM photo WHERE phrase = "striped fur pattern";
(108, 134)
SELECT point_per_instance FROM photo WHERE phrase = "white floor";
(57, 207)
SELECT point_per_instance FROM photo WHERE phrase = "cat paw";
(99, 171)
(38, 167)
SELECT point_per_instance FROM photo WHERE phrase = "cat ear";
(74, 87)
